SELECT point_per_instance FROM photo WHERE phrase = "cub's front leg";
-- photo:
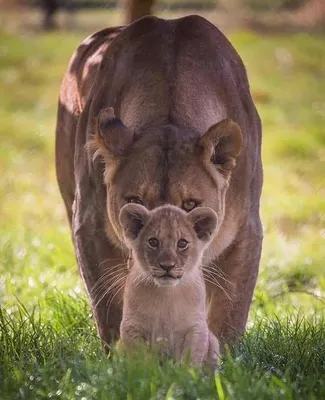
(131, 337)
(196, 344)
(213, 350)
(134, 339)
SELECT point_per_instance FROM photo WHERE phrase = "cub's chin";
(166, 281)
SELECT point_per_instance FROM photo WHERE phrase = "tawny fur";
(169, 316)
(174, 86)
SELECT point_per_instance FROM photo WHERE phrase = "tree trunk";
(137, 8)
(49, 8)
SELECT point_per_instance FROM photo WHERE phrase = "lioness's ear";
(112, 133)
(133, 217)
(222, 143)
(204, 221)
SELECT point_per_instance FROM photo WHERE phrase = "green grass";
(59, 357)
(48, 343)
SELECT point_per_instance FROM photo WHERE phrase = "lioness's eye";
(135, 200)
(153, 243)
(182, 244)
(189, 205)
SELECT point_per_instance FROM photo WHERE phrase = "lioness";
(164, 295)
(167, 106)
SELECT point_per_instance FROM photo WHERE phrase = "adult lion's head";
(165, 164)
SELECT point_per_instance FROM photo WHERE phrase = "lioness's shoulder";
(185, 25)
(193, 31)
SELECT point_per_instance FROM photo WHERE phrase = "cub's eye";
(182, 244)
(153, 243)
(189, 205)
(135, 200)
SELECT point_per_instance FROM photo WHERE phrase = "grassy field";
(48, 343)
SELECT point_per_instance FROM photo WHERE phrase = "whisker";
(118, 280)
(217, 268)
(107, 276)
(103, 285)
(212, 275)
(214, 269)
(214, 282)
(106, 260)
(111, 271)
(111, 300)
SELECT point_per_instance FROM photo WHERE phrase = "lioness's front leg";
(227, 313)
(102, 267)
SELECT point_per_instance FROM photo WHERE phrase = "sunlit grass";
(58, 355)
(54, 349)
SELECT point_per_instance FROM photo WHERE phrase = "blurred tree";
(7, 5)
(50, 7)
(307, 15)
(310, 14)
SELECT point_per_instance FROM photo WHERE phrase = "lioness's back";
(192, 67)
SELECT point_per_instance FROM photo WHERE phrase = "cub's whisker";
(214, 282)
(111, 300)
(106, 260)
(119, 280)
(107, 275)
(212, 267)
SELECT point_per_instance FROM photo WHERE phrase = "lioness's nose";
(167, 265)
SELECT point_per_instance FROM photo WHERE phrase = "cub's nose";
(167, 265)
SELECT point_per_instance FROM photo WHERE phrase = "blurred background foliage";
(278, 14)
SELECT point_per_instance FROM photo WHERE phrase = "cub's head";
(167, 243)
(161, 163)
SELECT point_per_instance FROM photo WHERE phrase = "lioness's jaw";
(222, 144)
(113, 136)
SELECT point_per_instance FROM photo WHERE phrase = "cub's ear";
(221, 144)
(204, 221)
(112, 134)
(133, 217)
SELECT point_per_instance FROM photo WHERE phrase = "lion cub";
(164, 296)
